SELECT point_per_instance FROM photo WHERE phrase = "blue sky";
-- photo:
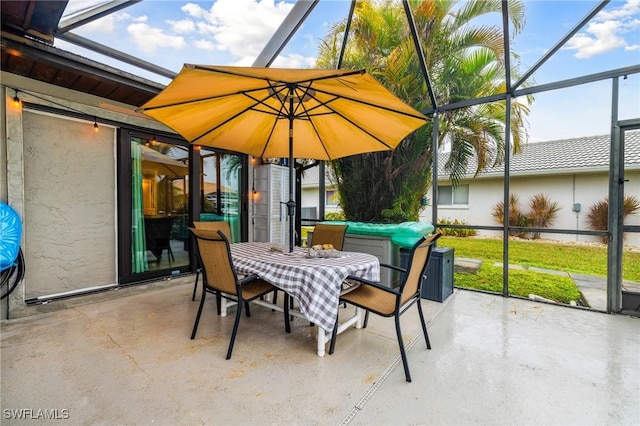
(233, 32)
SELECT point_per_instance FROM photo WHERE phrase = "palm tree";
(465, 61)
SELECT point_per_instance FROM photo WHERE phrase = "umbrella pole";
(291, 204)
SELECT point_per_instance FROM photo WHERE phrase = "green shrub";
(456, 232)
(335, 216)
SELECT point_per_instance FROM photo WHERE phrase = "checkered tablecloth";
(315, 283)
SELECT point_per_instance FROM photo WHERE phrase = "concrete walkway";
(494, 361)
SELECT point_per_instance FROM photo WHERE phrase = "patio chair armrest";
(379, 286)
(394, 267)
(248, 278)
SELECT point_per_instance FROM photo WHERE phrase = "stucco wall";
(69, 219)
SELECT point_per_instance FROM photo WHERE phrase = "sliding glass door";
(153, 192)
(157, 176)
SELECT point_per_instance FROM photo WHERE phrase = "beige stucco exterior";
(70, 204)
(59, 174)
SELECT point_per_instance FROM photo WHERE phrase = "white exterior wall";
(310, 199)
(583, 188)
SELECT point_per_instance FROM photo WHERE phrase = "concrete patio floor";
(494, 360)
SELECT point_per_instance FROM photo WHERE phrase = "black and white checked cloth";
(315, 283)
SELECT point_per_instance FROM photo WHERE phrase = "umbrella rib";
(273, 128)
(349, 98)
(283, 106)
(258, 101)
(208, 98)
(339, 114)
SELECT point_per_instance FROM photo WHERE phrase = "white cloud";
(601, 37)
(630, 8)
(606, 32)
(204, 44)
(293, 61)
(183, 26)
(149, 39)
(193, 10)
(104, 25)
(240, 27)
(107, 24)
(206, 29)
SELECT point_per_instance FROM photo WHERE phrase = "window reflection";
(159, 205)
(220, 189)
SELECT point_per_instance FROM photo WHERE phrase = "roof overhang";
(28, 30)
(38, 61)
(37, 19)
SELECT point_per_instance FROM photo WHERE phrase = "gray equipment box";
(438, 282)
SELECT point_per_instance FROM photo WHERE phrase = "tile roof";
(584, 154)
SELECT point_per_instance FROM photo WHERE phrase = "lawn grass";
(521, 283)
(578, 259)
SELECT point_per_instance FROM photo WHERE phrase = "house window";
(453, 196)
(331, 198)
(309, 213)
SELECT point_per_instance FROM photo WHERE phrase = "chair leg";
(291, 303)
(235, 329)
(403, 354)
(195, 325)
(424, 327)
(195, 285)
(287, 320)
(246, 306)
(218, 302)
(334, 335)
(366, 319)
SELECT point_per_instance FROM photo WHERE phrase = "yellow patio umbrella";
(284, 113)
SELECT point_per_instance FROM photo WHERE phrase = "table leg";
(224, 304)
(324, 337)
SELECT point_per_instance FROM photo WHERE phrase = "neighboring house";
(310, 202)
(573, 172)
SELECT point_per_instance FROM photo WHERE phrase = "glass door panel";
(220, 189)
(159, 206)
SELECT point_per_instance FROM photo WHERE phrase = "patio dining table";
(316, 282)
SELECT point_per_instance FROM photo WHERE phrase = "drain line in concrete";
(372, 390)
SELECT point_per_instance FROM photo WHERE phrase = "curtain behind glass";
(231, 179)
(138, 242)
